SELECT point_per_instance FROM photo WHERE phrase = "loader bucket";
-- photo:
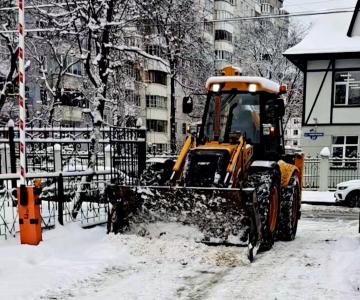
(226, 216)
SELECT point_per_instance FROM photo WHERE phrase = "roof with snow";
(333, 35)
(264, 83)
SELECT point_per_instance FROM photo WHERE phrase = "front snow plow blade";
(223, 215)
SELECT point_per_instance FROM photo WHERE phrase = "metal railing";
(75, 165)
(311, 173)
(343, 170)
(334, 171)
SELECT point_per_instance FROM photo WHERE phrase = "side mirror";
(187, 105)
(280, 107)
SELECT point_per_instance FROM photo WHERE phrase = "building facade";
(144, 98)
(329, 57)
(293, 131)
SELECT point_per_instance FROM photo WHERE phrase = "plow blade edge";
(223, 215)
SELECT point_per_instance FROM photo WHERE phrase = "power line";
(236, 19)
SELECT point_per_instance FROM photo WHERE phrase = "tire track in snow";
(199, 286)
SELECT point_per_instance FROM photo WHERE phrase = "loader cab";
(244, 106)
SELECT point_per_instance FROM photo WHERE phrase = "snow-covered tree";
(176, 26)
(259, 51)
(8, 54)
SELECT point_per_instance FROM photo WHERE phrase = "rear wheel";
(289, 211)
(353, 199)
(267, 185)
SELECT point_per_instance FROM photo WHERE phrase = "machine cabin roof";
(242, 83)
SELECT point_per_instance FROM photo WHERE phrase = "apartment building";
(144, 97)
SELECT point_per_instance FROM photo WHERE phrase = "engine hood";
(350, 183)
(217, 146)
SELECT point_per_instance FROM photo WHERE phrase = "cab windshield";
(230, 115)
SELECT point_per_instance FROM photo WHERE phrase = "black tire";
(267, 188)
(353, 199)
(289, 211)
(117, 221)
(157, 174)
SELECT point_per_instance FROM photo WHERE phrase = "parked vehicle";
(348, 193)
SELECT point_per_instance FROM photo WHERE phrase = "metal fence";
(336, 170)
(75, 165)
(343, 170)
(311, 173)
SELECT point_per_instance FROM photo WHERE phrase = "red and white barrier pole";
(29, 206)
(22, 112)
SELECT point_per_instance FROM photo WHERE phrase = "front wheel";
(289, 211)
(353, 199)
(267, 186)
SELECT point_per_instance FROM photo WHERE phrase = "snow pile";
(328, 35)
(318, 196)
(175, 243)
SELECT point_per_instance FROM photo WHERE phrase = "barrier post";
(29, 206)
(29, 215)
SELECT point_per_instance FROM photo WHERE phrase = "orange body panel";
(287, 171)
(299, 163)
(218, 146)
(30, 219)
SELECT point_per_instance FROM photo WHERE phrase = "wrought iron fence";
(336, 170)
(75, 165)
(343, 169)
(64, 199)
(75, 149)
(311, 173)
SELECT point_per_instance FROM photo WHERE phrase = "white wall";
(322, 108)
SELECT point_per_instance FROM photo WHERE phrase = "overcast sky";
(294, 6)
(305, 5)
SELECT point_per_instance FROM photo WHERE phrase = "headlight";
(342, 188)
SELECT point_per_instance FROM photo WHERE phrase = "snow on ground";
(318, 196)
(166, 263)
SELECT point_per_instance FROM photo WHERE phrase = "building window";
(223, 15)
(131, 70)
(223, 55)
(223, 35)
(155, 50)
(295, 143)
(208, 27)
(296, 121)
(132, 98)
(157, 77)
(347, 88)
(296, 132)
(73, 98)
(155, 101)
(73, 65)
(157, 148)
(343, 148)
(156, 125)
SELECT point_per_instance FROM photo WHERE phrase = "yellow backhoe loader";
(232, 179)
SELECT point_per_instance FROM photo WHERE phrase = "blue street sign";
(313, 135)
